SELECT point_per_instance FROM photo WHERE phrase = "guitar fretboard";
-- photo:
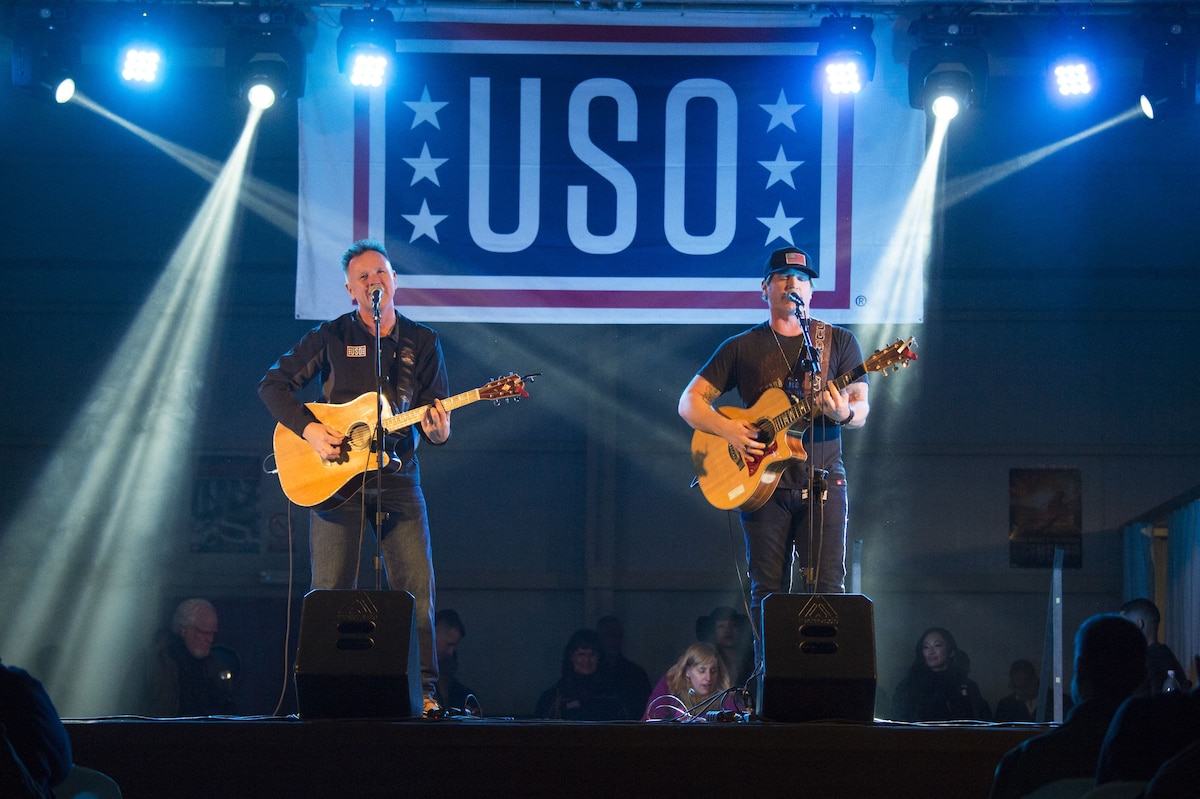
(803, 408)
(413, 415)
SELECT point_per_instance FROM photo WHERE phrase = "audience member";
(729, 631)
(1110, 657)
(629, 678)
(1179, 777)
(449, 630)
(1146, 732)
(1023, 704)
(691, 685)
(35, 752)
(937, 687)
(583, 692)
(1159, 657)
(185, 674)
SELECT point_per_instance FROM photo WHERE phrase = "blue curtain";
(1182, 631)
(1138, 579)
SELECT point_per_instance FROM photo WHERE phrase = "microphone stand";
(379, 442)
(812, 365)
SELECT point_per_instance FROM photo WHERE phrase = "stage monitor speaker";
(818, 658)
(358, 656)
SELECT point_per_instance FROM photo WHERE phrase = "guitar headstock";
(503, 388)
(892, 357)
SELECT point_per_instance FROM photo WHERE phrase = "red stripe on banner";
(844, 203)
(501, 32)
(362, 165)
(532, 298)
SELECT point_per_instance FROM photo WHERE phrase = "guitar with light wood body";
(311, 481)
(732, 480)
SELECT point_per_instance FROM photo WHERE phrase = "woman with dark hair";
(937, 687)
(692, 683)
(585, 692)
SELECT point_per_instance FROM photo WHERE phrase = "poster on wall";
(1045, 512)
(564, 171)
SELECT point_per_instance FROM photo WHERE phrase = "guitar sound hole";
(359, 437)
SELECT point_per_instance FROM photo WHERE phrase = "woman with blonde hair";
(692, 684)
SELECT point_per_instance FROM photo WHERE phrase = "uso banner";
(572, 172)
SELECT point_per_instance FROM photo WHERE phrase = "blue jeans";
(335, 549)
(777, 546)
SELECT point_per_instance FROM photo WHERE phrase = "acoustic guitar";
(311, 481)
(732, 480)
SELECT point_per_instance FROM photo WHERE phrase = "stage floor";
(289, 757)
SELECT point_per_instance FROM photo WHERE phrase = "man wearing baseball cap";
(777, 354)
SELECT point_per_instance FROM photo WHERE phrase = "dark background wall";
(1059, 332)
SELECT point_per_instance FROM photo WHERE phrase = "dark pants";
(780, 537)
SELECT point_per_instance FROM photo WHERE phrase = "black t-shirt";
(758, 359)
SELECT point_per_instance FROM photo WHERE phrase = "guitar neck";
(413, 415)
(804, 407)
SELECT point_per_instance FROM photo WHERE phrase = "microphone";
(376, 295)
(794, 297)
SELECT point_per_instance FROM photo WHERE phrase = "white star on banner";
(780, 169)
(781, 112)
(780, 225)
(425, 167)
(424, 223)
(425, 110)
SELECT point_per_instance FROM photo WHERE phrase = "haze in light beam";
(81, 559)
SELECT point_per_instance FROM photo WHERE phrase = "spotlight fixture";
(144, 34)
(1076, 44)
(948, 72)
(366, 47)
(1169, 70)
(946, 79)
(45, 53)
(140, 64)
(264, 60)
(1073, 78)
(846, 53)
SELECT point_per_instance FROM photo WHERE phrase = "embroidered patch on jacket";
(356, 352)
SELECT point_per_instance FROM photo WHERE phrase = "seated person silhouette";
(449, 631)
(584, 692)
(937, 687)
(730, 633)
(185, 674)
(630, 679)
(35, 752)
(1023, 704)
(1148, 731)
(692, 686)
(1159, 657)
(1110, 657)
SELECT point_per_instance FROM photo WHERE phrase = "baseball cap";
(790, 258)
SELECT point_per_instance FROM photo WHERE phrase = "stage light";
(366, 46)
(846, 53)
(140, 63)
(949, 73)
(1169, 70)
(1073, 78)
(1075, 45)
(264, 62)
(946, 80)
(45, 55)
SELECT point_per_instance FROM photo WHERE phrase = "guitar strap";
(817, 381)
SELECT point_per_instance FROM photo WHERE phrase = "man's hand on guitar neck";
(436, 423)
(835, 404)
(328, 443)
